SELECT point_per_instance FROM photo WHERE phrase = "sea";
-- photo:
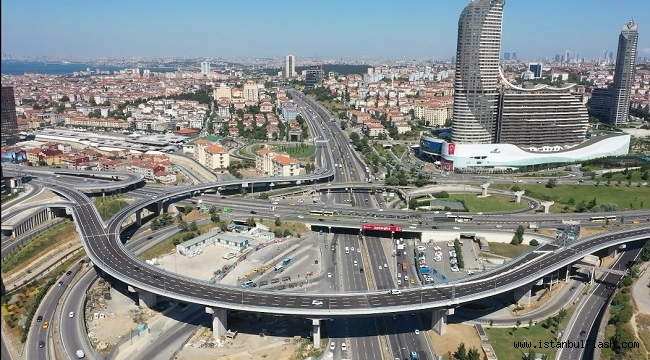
(12, 67)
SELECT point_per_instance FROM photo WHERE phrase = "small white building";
(198, 243)
(232, 241)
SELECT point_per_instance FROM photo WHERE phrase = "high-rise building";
(536, 69)
(251, 92)
(289, 66)
(9, 134)
(567, 56)
(506, 56)
(624, 73)
(514, 55)
(477, 72)
(205, 68)
(313, 76)
(558, 57)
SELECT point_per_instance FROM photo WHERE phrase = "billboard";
(381, 227)
(451, 148)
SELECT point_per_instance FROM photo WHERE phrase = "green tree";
(278, 222)
(473, 354)
(645, 175)
(622, 335)
(534, 242)
(518, 238)
(392, 181)
(461, 352)
(215, 218)
(212, 210)
(551, 183)
(183, 225)
(192, 226)
(571, 201)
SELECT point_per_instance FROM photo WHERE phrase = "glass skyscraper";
(624, 73)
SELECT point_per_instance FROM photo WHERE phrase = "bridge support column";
(159, 207)
(524, 291)
(219, 321)
(518, 195)
(614, 252)
(484, 189)
(138, 217)
(439, 321)
(592, 275)
(547, 205)
(145, 298)
(316, 332)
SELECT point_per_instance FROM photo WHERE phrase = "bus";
(602, 218)
(460, 218)
(321, 213)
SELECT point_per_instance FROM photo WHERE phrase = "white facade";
(464, 156)
(205, 68)
(289, 66)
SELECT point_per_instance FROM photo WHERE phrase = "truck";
(534, 226)
(286, 261)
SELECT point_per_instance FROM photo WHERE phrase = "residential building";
(216, 157)
(223, 91)
(205, 68)
(251, 92)
(477, 72)
(289, 66)
(285, 166)
(624, 73)
(9, 135)
(263, 162)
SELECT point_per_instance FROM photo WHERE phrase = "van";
(347, 250)
(80, 354)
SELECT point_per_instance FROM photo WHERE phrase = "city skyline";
(360, 29)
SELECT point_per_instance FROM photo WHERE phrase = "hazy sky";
(333, 28)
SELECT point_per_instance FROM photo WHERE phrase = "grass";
(109, 205)
(8, 197)
(488, 204)
(625, 197)
(293, 227)
(167, 246)
(245, 152)
(502, 340)
(643, 327)
(21, 258)
(508, 250)
(636, 176)
(398, 150)
(299, 151)
(546, 174)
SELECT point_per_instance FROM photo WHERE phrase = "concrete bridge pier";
(518, 195)
(439, 320)
(484, 189)
(523, 292)
(138, 217)
(547, 205)
(592, 275)
(145, 298)
(316, 332)
(219, 321)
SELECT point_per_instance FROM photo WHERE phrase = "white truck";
(534, 226)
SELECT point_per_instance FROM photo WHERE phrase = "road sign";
(381, 227)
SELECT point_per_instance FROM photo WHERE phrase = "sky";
(330, 29)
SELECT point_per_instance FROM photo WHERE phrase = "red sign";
(451, 148)
(382, 228)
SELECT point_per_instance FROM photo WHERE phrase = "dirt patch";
(194, 215)
(456, 334)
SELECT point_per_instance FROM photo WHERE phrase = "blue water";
(32, 67)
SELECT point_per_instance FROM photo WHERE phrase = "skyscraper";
(477, 72)
(205, 68)
(624, 73)
(9, 134)
(313, 76)
(289, 66)
(514, 55)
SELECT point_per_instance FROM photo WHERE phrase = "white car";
(413, 227)
(358, 250)
(275, 203)
(479, 213)
(448, 213)
(399, 281)
(329, 275)
(379, 267)
(352, 248)
(344, 347)
(332, 345)
(355, 263)
(300, 217)
(421, 248)
(381, 209)
(317, 302)
(386, 266)
(499, 226)
(417, 332)
(71, 314)
(456, 228)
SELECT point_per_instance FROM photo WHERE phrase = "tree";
(192, 226)
(212, 210)
(263, 196)
(623, 335)
(645, 175)
(392, 181)
(277, 221)
(461, 352)
(518, 238)
(215, 218)
(183, 225)
(534, 242)
(343, 125)
(473, 354)
(518, 323)
(551, 183)
(413, 203)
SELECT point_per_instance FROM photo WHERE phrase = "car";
(60, 283)
(394, 317)
(329, 275)
(417, 332)
(399, 281)
(136, 268)
(385, 266)
(292, 204)
(71, 314)
(277, 215)
(448, 213)
(413, 227)
(317, 302)
(46, 325)
(300, 217)
(332, 345)
(479, 213)
(573, 288)
(583, 333)
(41, 344)
(321, 220)
(499, 226)
(355, 263)
(344, 347)
(434, 227)
(360, 269)
(275, 203)
(456, 228)
(421, 248)
(364, 221)
(380, 267)
(253, 212)
(358, 250)
(39, 318)
(412, 281)
(352, 248)
(394, 292)
(68, 273)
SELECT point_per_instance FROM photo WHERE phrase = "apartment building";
(250, 92)
(216, 157)
(285, 166)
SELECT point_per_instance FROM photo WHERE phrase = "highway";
(586, 320)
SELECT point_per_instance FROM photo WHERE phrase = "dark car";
(360, 269)
(136, 268)
(253, 212)
(41, 344)
(39, 318)
(60, 283)
(583, 333)
(321, 219)
(434, 227)
(68, 273)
